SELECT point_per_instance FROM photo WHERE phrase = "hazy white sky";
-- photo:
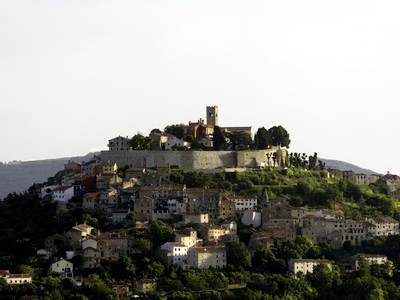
(74, 74)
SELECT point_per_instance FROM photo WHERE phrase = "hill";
(344, 166)
(19, 176)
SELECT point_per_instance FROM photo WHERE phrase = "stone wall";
(193, 160)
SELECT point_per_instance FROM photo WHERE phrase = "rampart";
(196, 160)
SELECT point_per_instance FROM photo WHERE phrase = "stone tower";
(212, 115)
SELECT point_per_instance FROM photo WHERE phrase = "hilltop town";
(183, 210)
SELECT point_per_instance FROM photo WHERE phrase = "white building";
(305, 266)
(63, 267)
(175, 142)
(243, 202)
(63, 193)
(175, 254)
(15, 279)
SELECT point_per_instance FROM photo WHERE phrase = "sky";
(74, 74)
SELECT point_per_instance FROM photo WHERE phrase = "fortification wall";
(190, 160)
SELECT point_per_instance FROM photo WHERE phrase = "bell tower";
(212, 115)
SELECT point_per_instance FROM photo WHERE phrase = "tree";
(239, 140)
(160, 233)
(237, 254)
(155, 130)
(219, 141)
(279, 136)
(140, 142)
(176, 130)
(263, 138)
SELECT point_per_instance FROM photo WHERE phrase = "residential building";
(187, 237)
(63, 193)
(175, 142)
(147, 285)
(15, 279)
(198, 130)
(207, 257)
(63, 267)
(174, 254)
(385, 226)
(119, 144)
(353, 262)
(305, 266)
(194, 217)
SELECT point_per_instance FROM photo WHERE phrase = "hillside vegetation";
(301, 188)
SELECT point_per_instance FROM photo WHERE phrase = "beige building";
(207, 257)
(15, 279)
(227, 209)
(63, 267)
(212, 232)
(187, 237)
(119, 144)
(305, 266)
(90, 200)
(194, 217)
(384, 226)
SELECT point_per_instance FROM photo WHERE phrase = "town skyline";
(76, 75)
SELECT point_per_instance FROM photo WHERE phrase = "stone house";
(194, 217)
(90, 200)
(145, 207)
(385, 226)
(162, 192)
(305, 266)
(187, 237)
(204, 200)
(147, 285)
(91, 167)
(353, 262)
(159, 140)
(92, 257)
(138, 173)
(227, 209)
(63, 267)
(77, 234)
(207, 257)
(119, 144)
(211, 232)
(54, 243)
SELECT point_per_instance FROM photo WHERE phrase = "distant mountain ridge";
(344, 166)
(19, 176)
